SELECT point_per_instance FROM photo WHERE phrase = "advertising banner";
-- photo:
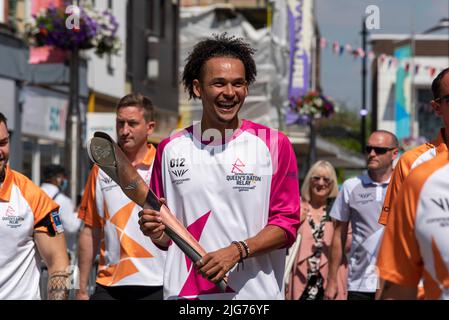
(300, 29)
(403, 93)
(44, 113)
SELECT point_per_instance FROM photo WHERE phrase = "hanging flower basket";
(93, 30)
(309, 107)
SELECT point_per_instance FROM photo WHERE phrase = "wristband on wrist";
(239, 247)
(245, 246)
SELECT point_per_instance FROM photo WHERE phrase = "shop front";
(43, 129)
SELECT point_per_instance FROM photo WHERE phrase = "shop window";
(155, 12)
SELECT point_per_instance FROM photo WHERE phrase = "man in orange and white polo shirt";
(413, 158)
(416, 240)
(417, 156)
(28, 219)
(130, 265)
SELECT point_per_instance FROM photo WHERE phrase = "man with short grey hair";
(360, 203)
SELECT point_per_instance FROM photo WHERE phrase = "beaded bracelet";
(239, 247)
(245, 245)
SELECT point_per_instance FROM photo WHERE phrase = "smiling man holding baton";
(232, 183)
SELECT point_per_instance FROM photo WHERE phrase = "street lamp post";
(363, 111)
(72, 145)
(73, 128)
(312, 142)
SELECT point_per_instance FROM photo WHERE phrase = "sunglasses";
(443, 99)
(318, 178)
(377, 150)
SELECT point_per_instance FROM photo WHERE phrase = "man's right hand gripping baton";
(104, 152)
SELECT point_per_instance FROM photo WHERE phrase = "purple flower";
(89, 34)
(311, 105)
(292, 117)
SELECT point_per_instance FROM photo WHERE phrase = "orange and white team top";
(23, 205)
(127, 257)
(416, 240)
(407, 162)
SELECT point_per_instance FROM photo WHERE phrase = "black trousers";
(127, 293)
(358, 295)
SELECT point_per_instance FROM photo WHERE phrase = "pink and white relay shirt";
(227, 192)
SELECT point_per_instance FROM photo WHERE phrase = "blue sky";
(340, 20)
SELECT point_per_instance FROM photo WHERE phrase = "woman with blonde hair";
(307, 277)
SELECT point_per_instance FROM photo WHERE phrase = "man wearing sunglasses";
(360, 203)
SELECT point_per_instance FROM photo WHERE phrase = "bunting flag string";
(391, 62)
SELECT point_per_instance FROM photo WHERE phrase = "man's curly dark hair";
(218, 46)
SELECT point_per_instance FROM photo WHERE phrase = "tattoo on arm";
(58, 285)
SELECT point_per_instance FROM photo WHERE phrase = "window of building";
(155, 13)
(162, 12)
(151, 21)
(153, 58)
(175, 30)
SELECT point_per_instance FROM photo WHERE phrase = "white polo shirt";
(22, 206)
(360, 202)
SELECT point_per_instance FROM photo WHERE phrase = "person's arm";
(90, 236)
(283, 219)
(380, 287)
(89, 242)
(54, 253)
(399, 262)
(69, 218)
(336, 255)
(395, 291)
(151, 225)
(150, 220)
(215, 265)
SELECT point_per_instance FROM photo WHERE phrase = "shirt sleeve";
(340, 210)
(401, 171)
(88, 211)
(156, 175)
(42, 207)
(156, 183)
(284, 196)
(399, 260)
